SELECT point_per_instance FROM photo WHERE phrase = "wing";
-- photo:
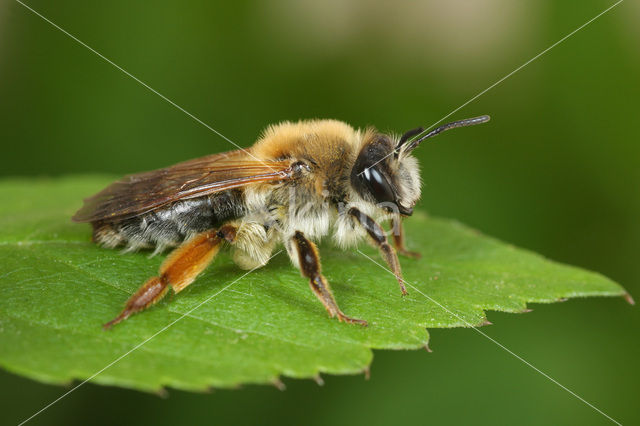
(140, 193)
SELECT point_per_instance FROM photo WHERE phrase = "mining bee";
(299, 182)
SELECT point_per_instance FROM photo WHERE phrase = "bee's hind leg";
(179, 270)
(398, 240)
(309, 262)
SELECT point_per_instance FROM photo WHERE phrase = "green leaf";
(58, 289)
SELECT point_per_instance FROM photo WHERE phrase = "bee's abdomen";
(171, 224)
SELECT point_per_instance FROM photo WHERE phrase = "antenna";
(460, 123)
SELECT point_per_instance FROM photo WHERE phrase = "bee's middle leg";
(309, 262)
(377, 235)
(179, 270)
(398, 240)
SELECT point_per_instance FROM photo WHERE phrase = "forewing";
(140, 193)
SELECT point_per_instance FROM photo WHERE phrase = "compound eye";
(378, 185)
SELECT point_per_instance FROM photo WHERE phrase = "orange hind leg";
(179, 270)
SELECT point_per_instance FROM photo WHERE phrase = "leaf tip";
(162, 392)
(318, 379)
(427, 348)
(367, 372)
(629, 299)
(279, 385)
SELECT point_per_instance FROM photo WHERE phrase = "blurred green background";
(556, 171)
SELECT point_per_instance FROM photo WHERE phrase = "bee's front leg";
(179, 270)
(377, 235)
(398, 239)
(309, 262)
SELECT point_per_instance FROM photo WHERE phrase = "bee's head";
(386, 173)
(387, 180)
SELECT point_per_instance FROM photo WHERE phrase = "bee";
(298, 183)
